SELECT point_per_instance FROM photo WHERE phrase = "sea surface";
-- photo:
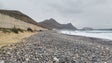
(105, 34)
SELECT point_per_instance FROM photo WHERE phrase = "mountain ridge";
(19, 15)
(14, 18)
(53, 24)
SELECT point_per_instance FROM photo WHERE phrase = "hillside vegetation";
(18, 15)
(12, 18)
(14, 26)
(9, 38)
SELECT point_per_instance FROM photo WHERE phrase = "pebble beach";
(53, 47)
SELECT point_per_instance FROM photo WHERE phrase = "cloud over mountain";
(89, 13)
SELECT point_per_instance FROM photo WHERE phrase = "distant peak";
(69, 23)
(52, 19)
(53, 24)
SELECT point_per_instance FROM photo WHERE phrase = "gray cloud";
(82, 13)
(1, 6)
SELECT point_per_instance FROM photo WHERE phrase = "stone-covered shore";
(52, 47)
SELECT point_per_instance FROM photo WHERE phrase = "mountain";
(69, 26)
(18, 15)
(13, 18)
(87, 28)
(53, 24)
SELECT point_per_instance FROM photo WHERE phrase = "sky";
(81, 13)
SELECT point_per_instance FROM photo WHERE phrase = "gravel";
(52, 47)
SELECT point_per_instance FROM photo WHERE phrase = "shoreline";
(100, 41)
(49, 46)
(92, 38)
(94, 34)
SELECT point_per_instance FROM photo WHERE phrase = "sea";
(103, 34)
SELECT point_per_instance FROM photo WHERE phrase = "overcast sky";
(82, 13)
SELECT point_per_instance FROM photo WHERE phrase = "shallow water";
(105, 34)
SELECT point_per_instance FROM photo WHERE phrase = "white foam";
(95, 33)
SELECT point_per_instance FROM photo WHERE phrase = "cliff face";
(52, 24)
(11, 19)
